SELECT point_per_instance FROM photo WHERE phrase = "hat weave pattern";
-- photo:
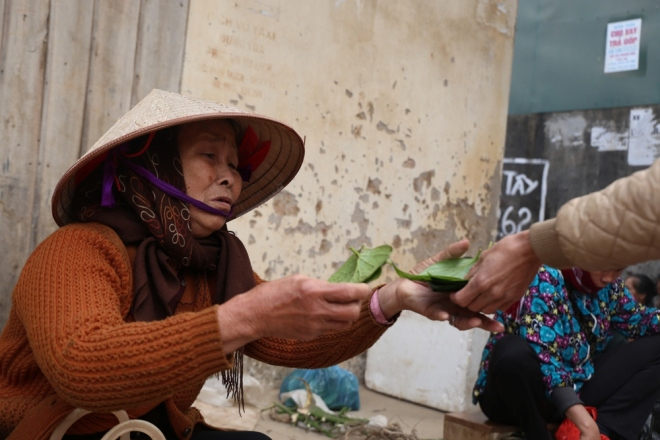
(161, 109)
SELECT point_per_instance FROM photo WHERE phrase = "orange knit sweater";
(69, 341)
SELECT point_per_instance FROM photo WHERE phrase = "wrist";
(582, 419)
(377, 312)
(525, 245)
(524, 249)
(387, 300)
(237, 327)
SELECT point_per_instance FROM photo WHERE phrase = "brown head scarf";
(159, 226)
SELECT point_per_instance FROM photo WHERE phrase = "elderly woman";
(143, 293)
(556, 359)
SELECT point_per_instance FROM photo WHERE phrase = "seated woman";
(642, 288)
(143, 293)
(551, 361)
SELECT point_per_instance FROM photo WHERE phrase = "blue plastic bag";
(336, 386)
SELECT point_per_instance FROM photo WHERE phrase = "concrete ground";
(428, 423)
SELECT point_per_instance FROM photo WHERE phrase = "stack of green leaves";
(443, 276)
(365, 265)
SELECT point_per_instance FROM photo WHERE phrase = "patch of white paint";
(644, 144)
(606, 140)
(566, 130)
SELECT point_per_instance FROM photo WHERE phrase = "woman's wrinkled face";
(605, 277)
(209, 157)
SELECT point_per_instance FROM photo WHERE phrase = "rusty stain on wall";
(497, 14)
(424, 178)
(381, 126)
(373, 185)
(370, 111)
(435, 194)
(402, 223)
(285, 203)
(360, 219)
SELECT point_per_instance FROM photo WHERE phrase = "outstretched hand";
(295, 307)
(501, 276)
(404, 294)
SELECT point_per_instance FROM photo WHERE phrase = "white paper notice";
(644, 143)
(622, 46)
(606, 140)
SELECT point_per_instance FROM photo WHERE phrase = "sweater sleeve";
(72, 297)
(629, 317)
(612, 228)
(323, 351)
(564, 397)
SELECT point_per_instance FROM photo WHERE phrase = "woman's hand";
(501, 276)
(579, 415)
(402, 294)
(295, 307)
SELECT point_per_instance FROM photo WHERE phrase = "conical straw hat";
(161, 109)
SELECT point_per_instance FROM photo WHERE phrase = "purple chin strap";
(110, 171)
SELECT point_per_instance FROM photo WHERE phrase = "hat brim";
(161, 109)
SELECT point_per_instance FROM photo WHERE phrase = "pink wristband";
(377, 312)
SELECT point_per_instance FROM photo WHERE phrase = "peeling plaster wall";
(403, 108)
(585, 151)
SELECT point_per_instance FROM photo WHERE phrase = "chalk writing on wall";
(244, 43)
(522, 199)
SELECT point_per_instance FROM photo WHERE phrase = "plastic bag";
(568, 431)
(336, 386)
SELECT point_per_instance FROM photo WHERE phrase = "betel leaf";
(446, 274)
(345, 272)
(363, 266)
(375, 275)
(452, 269)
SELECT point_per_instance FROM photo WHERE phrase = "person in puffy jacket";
(588, 232)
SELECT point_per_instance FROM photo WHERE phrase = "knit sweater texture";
(70, 341)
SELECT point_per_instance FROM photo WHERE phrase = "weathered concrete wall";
(403, 106)
(68, 71)
(584, 151)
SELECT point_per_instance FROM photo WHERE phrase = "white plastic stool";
(120, 431)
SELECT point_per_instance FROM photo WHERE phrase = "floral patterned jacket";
(566, 327)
